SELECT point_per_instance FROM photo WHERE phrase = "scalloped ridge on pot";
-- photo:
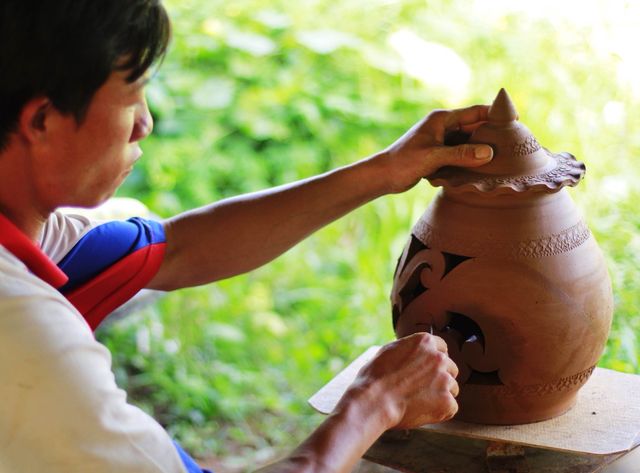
(519, 163)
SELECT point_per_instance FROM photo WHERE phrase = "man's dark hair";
(66, 49)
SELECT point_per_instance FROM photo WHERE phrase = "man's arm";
(242, 233)
(411, 382)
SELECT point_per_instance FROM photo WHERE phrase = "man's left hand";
(421, 150)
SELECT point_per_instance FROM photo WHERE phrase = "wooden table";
(423, 451)
(600, 434)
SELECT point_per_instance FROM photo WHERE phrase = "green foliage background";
(252, 95)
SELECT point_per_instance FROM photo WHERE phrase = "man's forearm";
(338, 443)
(242, 233)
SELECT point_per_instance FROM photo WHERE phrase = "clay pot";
(503, 267)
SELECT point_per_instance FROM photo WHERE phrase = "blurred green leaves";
(252, 96)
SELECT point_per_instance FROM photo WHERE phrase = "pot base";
(485, 405)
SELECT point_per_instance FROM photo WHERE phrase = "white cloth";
(61, 232)
(60, 408)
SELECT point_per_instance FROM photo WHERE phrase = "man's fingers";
(441, 345)
(469, 129)
(455, 388)
(466, 116)
(451, 409)
(462, 155)
(453, 369)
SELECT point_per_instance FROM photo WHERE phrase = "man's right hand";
(412, 380)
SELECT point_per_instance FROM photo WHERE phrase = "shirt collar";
(30, 254)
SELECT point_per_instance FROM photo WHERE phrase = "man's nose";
(144, 123)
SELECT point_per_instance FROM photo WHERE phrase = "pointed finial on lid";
(502, 109)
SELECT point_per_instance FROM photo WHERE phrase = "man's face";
(83, 165)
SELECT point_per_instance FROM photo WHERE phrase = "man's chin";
(89, 202)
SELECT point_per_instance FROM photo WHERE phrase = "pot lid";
(519, 162)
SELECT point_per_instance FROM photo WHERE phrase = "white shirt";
(60, 408)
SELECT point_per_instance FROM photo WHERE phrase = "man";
(72, 112)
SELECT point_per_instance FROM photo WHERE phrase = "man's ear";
(33, 118)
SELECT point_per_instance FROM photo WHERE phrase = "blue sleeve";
(189, 463)
(105, 245)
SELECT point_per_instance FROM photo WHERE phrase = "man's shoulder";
(22, 292)
(15, 278)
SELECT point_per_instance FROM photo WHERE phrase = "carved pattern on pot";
(566, 171)
(420, 299)
(564, 384)
(503, 268)
(528, 146)
(549, 245)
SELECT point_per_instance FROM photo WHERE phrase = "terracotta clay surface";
(604, 421)
(503, 267)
